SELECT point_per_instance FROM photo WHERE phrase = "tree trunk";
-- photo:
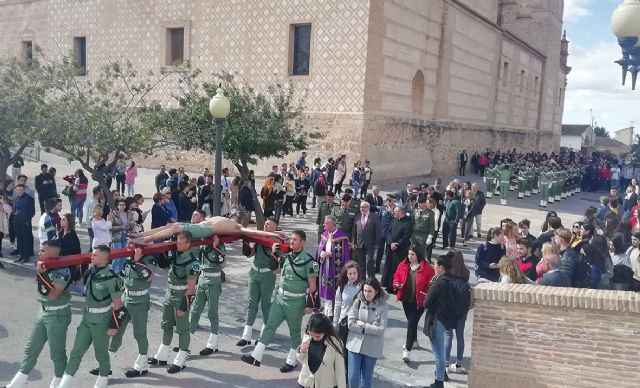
(244, 175)
(102, 182)
(4, 166)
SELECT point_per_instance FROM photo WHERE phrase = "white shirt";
(226, 184)
(101, 232)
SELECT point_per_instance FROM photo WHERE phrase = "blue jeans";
(360, 371)
(448, 339)
(117, 265)
(77, 208)
(356, 189)
(438, 348)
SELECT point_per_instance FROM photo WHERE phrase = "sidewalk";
(390, 371)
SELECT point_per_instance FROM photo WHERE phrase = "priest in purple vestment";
(333, 252)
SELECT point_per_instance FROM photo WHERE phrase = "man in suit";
(554, 277)
(375, 199)
(366, 236)
(479, 203)
(463, 162)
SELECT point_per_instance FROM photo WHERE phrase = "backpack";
(459, 297)
(581, 272)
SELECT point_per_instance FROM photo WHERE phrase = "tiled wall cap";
(582, 298)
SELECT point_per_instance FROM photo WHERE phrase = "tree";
(260, 125)
(601, 131)
(98, 122)
(23, 111)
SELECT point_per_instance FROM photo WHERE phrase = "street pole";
(217, 188)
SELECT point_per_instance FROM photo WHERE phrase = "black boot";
(154, 361)
(250, 360)
(437, 384)
(286, 368)
(208, 351)
(135, 373)
(243, 342)
(174, 369)
(96, 372)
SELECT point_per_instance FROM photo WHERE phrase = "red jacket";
(423, 279)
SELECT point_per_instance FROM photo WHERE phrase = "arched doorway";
(417, 92)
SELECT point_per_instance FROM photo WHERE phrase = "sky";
(595, 81)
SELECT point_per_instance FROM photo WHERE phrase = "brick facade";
(485, 73)
(535, 337)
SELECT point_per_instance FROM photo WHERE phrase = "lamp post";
(219, 107)
(625, 24)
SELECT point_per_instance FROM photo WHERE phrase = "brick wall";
(532, 336)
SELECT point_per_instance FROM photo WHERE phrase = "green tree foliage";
(601, 131)
(23, 108)
(97, 121)
(261, 124)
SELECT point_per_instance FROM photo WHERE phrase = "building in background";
(406, 84)
(578, 137)
(625, 136)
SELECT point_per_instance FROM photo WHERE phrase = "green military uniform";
(325, 209)
(288, 304)
(505, 181)
(345, 220)
(423, 227)
(51, 325)
(209, 287)
(536, 177)
(521, 177)
(489, 179)
(102, 287)
(262, 281)
(137, 281)
(185, 266)
(545, 185)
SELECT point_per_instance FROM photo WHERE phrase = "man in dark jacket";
(375, 199)
(568, 256)
(398, 241)
(479, 202)
(464, 158)
(554, 223)
(554, 276)
(385, 213)
(24, 210)
(45, 186)
(161, 178)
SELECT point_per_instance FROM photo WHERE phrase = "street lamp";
(219, 107)
(625, 24)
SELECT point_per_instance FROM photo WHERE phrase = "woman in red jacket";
(411, 281)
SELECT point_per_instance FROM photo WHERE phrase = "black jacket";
(400, 232)
(437, 301)
(375, 202)
(185, 208)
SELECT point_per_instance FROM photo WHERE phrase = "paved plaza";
(19, 308)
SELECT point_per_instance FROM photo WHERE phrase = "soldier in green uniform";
(521, 178)
(296, 296)
(355, 202)
(101, 319)
(181, 288)
(489, 180)
(262, 280)
(53, 318)
(212, 261)
(345, 217)
(423, 227)
(138, 272)
(324, 209)
(544, 184)
(505, 181)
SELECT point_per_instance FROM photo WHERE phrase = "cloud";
(574, 10)
(595, 83)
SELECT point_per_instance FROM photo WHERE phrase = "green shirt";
(423, 223)
(185, 266)
(137, 277)
(102, 287)
(297, 268)
(263, 257)
(60, 276)
(211, 262)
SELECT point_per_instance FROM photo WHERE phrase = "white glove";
(429, 239)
